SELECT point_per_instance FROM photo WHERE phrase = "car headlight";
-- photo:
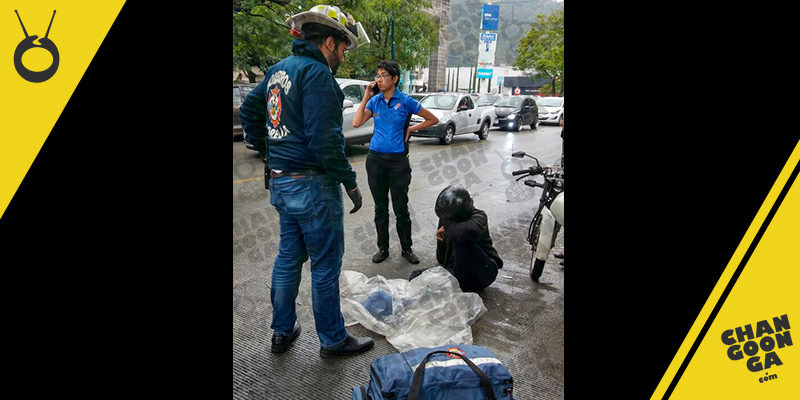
(511, 116)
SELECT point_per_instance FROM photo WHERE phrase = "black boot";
(536, 270)
(281, 343)
(351, 346)
(410, 256)
(380, 255)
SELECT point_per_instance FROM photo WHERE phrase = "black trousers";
(390, 173)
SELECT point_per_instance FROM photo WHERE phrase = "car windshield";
(486, 99)
(237, 95)
(508, 102)
(550, 101)
(439, 102)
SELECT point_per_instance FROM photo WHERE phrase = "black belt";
(294, 174)
(387, 155)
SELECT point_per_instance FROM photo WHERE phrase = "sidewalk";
(524, 325)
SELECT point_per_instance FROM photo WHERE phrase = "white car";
(353, 93)
(457, 115)
(551, 110)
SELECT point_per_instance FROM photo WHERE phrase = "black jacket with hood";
(467, 251)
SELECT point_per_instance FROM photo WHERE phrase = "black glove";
(355, 196)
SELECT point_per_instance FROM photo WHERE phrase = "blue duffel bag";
(462, 372)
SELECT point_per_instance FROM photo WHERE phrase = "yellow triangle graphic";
(764, 299)
(28, 110)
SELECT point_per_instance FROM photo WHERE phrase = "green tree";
(415, 36)
(542, 49)
(261, 37)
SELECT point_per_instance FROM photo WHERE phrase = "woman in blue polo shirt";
(388, 169)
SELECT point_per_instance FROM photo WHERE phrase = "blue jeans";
(312, 224)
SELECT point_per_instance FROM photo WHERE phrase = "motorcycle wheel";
(537, 223)
(535, 230)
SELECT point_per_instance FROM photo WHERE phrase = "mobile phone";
(375, 89)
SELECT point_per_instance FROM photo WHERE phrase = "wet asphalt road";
(524, 325)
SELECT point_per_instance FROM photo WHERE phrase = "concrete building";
(451, 64)
(438, 59)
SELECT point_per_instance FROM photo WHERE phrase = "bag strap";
(416, 382)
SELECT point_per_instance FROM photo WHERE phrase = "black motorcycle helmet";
(454, 204)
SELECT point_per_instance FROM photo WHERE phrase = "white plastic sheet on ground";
(429, 311)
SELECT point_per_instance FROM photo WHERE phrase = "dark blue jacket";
(295, 114)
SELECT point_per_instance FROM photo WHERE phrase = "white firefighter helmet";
(332, 17)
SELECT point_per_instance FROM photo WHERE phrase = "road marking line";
(249, 180)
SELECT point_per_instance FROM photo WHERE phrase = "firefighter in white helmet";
(295, 117)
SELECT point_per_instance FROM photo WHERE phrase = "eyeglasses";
(381, 76)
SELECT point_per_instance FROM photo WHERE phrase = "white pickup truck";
(457, 115)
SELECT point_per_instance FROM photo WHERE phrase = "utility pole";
(449, 80)
(475, 80)
(392, 35)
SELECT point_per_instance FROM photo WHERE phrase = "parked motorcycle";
(549, 216)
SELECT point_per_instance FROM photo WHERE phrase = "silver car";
(551, 110)
(457, 114)
(353, 93)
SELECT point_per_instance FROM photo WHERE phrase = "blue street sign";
(490, 16)
(485, 73)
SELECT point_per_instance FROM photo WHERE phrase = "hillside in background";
(516, 17)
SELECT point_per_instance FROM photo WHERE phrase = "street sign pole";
(490, 16)
(392, 35)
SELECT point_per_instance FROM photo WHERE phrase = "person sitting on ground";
(464, 246)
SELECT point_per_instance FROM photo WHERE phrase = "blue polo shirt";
(390, 117)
